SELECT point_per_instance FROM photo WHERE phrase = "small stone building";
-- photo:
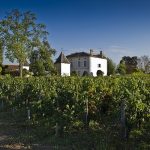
(62, 65)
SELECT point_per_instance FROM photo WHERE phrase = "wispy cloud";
(120, 50)
(116, 52)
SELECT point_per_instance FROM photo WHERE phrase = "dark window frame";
(85, 63)
(99, 65)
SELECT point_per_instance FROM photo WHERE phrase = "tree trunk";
(20, 69)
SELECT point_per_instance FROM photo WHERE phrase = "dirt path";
(9, 133)
(14, 136)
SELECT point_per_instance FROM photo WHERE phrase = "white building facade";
(62, 65)
(87, 63)
(96, 64)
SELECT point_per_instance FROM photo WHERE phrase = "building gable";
(62, 59)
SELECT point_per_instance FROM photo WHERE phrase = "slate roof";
(83, 54)
(78, 54)
(62, 59)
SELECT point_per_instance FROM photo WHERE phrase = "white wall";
(26, 67)
(65, 69)
(93, 65)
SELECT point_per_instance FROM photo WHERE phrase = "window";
(84, 63)
(78, 63)
(99, 65)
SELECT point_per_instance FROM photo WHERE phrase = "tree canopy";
(41, 62)
(130, 63)
(144, 63)
(110, 67)
(121, 69)
(1, 53)
(20, 35)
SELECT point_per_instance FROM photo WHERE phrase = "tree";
(110, 66)
(1, 53)
(144, 63)
(21, 35)
(0, 69)
(1, 56)
(41, 60)
(130, 63)
(121, 69)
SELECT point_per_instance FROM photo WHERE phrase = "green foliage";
(0, 70)
(1, 52)
(121, 69)
(110, 67)
(25, 73)
(74, 73)
(41, 60)
(144, 63)
(75, 103)
(130, 63)
(20, 35)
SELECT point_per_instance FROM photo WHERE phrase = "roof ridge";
(62, 59)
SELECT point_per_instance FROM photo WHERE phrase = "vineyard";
(80, 112)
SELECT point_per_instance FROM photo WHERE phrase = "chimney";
(101, 54)
(91, 52)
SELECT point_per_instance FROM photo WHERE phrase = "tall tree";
(144, 63)
(121, 69)
(20, 35)
(41, 60)
(1, 53)
(131, 64)
(110, 67)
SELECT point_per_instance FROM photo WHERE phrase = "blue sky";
(117, 27)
